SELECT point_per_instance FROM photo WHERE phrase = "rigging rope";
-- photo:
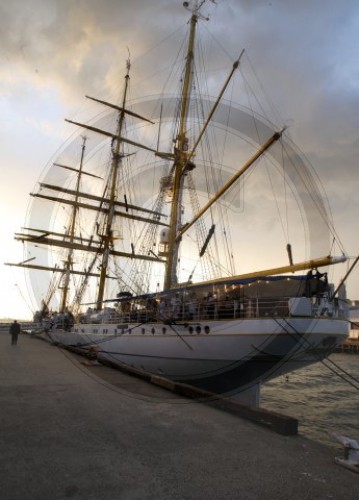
(340, 372)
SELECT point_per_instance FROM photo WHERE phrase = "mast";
(69, 261)
(181, 156)
(182, 153)
(107, 237)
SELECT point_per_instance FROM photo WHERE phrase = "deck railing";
(216, 310)
(193, 311)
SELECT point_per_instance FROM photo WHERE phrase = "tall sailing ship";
(149, 226)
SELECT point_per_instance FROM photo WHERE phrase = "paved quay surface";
(68, 430)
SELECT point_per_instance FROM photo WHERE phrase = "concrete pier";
(71, 428)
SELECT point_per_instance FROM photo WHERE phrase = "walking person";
(14, 331)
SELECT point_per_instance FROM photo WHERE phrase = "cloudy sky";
(53, 52)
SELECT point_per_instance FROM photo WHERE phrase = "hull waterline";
(217, 356)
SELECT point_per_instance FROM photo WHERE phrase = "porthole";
(206, 329)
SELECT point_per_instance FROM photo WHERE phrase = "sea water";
(321, 401)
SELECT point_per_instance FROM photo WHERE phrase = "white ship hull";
(220, 356)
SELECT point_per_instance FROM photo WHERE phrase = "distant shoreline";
(10, 320)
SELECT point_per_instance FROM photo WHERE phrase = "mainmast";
(181, 155)
(107, 237)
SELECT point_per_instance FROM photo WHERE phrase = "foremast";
(69, 261)
(108, 205)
